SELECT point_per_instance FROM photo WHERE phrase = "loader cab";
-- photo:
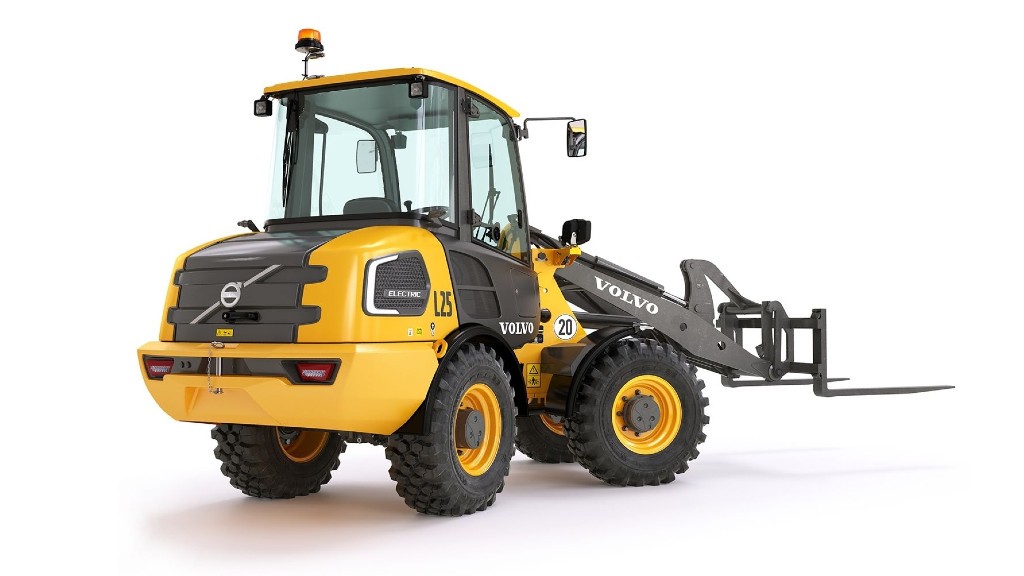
(403, 146)
(412, 147)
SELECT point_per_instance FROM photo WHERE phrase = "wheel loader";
(398, 296)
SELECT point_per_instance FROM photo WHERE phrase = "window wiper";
(289, 143)
(250, 225)
(492, 196)
(291, 137)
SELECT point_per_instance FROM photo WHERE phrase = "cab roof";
(383, 75)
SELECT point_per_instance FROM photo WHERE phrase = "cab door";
(491, 269)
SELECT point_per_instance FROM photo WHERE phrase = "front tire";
(272, 462)
(639, 415)
(459, 466)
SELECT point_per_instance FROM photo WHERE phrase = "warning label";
(533, 375)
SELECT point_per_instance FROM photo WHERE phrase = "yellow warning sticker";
(225, 332)
(533, 375)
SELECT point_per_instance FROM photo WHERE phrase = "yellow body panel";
(546, 262)
(171, 300)
(340, 296)
(327, 81)
(377, 389)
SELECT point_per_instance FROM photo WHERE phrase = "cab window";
(498, 209)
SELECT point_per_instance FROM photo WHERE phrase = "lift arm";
(612, 295)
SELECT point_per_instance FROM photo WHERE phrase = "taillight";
(157, 368)
(315, 371)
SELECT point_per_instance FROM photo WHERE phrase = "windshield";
(366, 150)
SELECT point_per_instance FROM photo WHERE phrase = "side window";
(494, 174)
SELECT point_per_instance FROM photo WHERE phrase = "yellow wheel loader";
(398, 296)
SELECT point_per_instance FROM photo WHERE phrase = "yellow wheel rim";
(476, 461)
(665, 430)
(304, 447)
(555, 426)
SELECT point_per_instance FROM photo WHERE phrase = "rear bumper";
(378, 387)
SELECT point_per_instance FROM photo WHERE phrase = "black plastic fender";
(475, 333)
(568, 365)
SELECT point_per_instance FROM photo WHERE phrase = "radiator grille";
(271, 268)
(276, 299)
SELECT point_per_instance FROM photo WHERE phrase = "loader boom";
(612, 295)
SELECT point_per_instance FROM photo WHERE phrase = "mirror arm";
(526, 131)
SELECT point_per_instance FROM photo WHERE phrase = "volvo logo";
(516, 328)
(230, 294)
(626, 296)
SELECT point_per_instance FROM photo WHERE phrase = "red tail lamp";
(157, 368)
(315, 371)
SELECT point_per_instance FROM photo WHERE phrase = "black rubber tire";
(426, 467)
(539, 443)
(252, 458)
(590, 432)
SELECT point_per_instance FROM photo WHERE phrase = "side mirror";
(575, 232)
(366, 156)
(576, 138)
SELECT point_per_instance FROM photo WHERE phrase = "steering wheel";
(431, 211)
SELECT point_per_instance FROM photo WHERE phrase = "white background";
(863, 156)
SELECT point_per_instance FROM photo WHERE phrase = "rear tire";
(599, 432)
(436, 473)
(272, 462)
(542, 439)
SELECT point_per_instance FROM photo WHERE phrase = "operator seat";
(369, 205)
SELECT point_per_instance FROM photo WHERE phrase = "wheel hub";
(469, 428)
(301, 445)
(288, 435)
(647, 414)
(556, 424)
(641, 413)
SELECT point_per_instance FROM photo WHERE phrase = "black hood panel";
(261, 250)
(272, 268)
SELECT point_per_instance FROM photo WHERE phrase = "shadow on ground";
(349, 513)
